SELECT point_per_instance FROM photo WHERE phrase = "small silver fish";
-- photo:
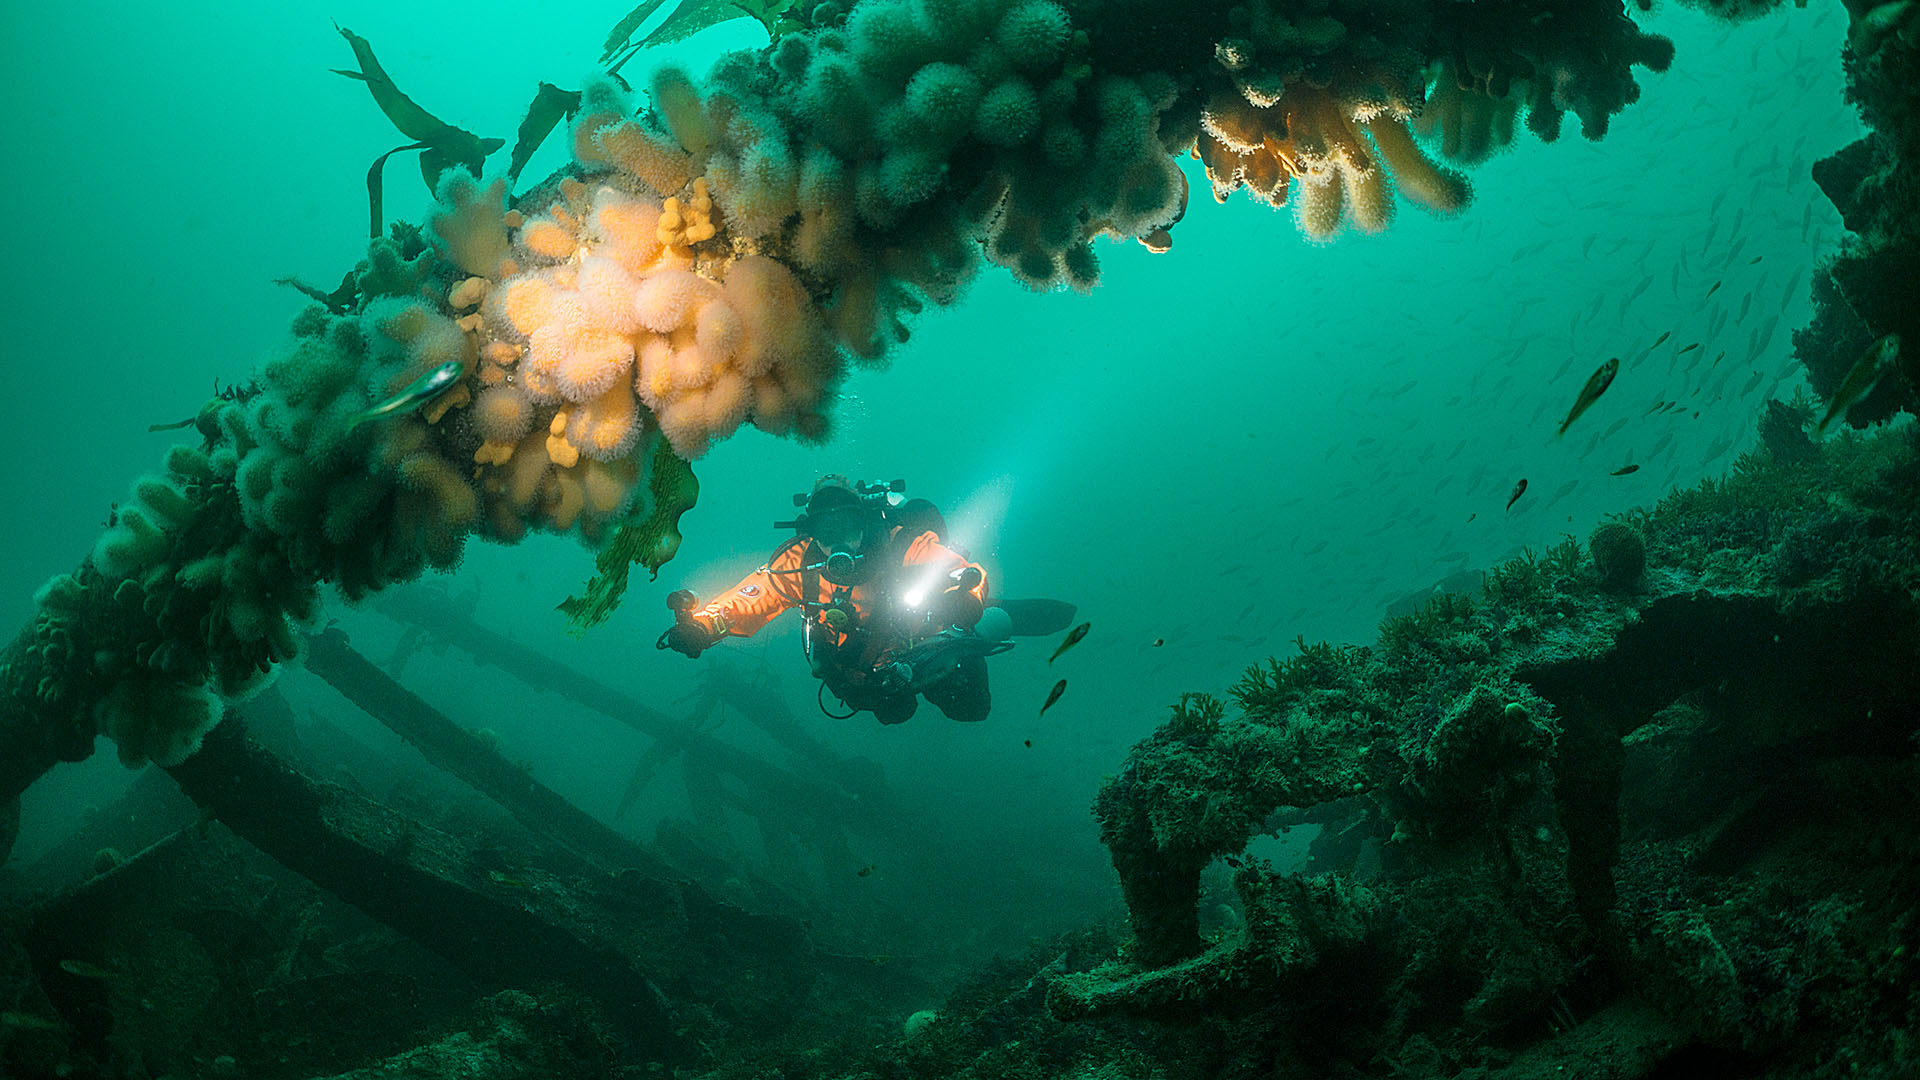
(1058, 689)
(415, 394)
(84, 970)
(1597, 384)
(1073, 638)
(1866, 373)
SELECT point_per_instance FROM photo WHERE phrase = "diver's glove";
(688, 638)
(958, 606)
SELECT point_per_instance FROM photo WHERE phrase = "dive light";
(682, 603)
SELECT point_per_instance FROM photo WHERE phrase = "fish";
(1073, 638)
(1866, 372)
(1597, 384)
(1684, 349)
(868, 869)
(1625, 470)
(1157, 642)
(1058, 689)
(84, 970)
(1715, 289)
(1519, 489)
(414, 394)
(1661, 339)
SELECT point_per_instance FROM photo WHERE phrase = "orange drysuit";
(881, 604)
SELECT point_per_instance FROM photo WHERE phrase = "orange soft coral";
(1334, 160)
(682, 225)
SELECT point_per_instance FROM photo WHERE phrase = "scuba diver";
(891, 614)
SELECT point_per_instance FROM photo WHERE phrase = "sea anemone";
(668, 300)
(503, 414)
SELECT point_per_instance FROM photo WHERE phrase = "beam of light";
(975, 518)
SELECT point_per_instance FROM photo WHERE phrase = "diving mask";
(840, 529)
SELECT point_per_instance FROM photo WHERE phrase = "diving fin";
(1038, 618)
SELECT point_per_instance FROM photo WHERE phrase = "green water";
(1249, 439)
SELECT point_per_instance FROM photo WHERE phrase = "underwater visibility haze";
(1448, 471)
